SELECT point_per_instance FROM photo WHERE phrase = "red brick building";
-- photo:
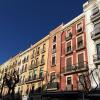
(54, 59)
(73, 55)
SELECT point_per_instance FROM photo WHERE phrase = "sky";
(24, 22)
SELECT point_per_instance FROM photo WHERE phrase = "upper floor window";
(33, 54)
(69, 33)
(69, 48)
(79, 42)
(69, 64)
(35, 73)
(42, 59)
(44, 46)
(37, 61)
(79, 27)
(19, 62)
(53, 60)
(25, 67)
(38, 50)
(98, 51)
(27, 58)
(41, 72)
(81, 60)
(54, 48)
(54, 39)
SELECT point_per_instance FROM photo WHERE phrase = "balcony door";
(80, 60)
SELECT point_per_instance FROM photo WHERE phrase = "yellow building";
(33, 67)
(8, 67)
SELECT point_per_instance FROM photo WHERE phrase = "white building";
(92, 15)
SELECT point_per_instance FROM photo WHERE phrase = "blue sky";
(24, 22)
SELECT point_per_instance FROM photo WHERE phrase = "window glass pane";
(69, 81)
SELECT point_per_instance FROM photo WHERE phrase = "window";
(53, 59)
(68, 47)
(69, 64)
(80, 60)
(79, 27)
(23, 79)
(42, 59)
(98, 51)
(30, 75)
(81, 79)
(69, 82)
(19, 62)
(54, 48)
(35, 73)
(33, 54)
(37, 61)
(44, 47)
(38, 50)
(69, 33)
(79, 42)
(26, 67)
(54, 39)
(27, 58)
(41, 72)
(52, 77)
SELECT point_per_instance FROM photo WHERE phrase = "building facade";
(54, 59)
(74, 61)
(67, 59)
(33, 67)
(92, 20)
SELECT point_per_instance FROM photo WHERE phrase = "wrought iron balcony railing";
(81, 66)
(95, 14)
(53, 86)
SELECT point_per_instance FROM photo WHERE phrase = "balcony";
(96, 33)
(34, 78)
(95, 14)
(76, 68)
(68, 37)
(96, 59)
(42, 62)
(69, 87)
(53, 86)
